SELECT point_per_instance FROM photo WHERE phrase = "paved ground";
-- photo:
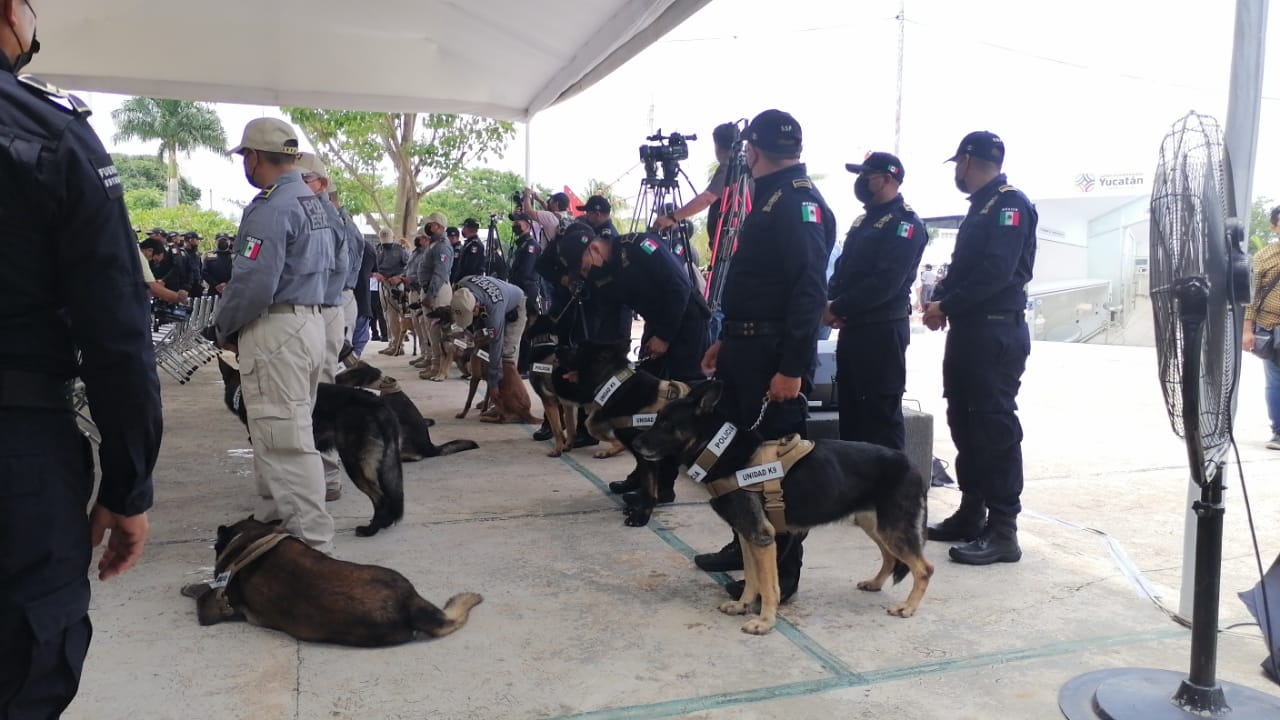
(586, 618)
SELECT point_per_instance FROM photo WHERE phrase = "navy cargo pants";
(981, 373)
(46, 479)
(871, 375)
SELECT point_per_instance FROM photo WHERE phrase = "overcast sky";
(1085, 86)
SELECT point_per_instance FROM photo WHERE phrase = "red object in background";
(574, 202)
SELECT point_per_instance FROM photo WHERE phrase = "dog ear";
(708, 395)
(276, 523)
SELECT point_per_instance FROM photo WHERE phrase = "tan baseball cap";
(464, 307)
(268, 135)
(309, 164)
(437, 218)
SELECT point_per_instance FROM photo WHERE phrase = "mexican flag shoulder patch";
(250, 247)
(1010, 217)
(810, 212)
(649, 246)
(906, 230)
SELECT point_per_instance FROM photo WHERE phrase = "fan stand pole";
(1149, 694)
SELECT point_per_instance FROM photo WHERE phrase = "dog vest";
(539, 342)
(668, 390)
(764, 472)
(227, 569)
(612, 385)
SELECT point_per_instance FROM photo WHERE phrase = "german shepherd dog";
(362, 429)
(513, 404)
(622, 402)
(415, 430)
(877, 486)
(545, 375)
(299, 590)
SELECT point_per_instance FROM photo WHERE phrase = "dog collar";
(610, 386)
(712, 451)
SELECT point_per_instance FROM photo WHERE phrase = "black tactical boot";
(790, 560)
(965, 525)
(998, 542)
(725, 559)
(544, 432)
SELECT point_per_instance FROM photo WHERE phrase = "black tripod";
(735, 205)
(495, 260)
(659, 192)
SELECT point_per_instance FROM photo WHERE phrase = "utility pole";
(902, 37)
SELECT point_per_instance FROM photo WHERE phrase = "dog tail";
(456, 446)
(433, 621)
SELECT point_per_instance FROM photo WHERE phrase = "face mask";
(248, 171)
(25, 56)
(862, 190)
(961, 185)
(516, 231)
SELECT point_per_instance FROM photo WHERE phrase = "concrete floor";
(586, 618)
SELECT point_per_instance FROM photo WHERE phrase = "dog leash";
(764, 407)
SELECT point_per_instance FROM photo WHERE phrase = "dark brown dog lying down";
(311, 596)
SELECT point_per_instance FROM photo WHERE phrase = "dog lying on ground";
(877, 486)
(415, 430)
(301, 591)
(622, 402)
(362, 429)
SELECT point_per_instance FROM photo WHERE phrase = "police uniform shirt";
(392, 259)
(283, 254)
(413, 267)
(341, 254)
(495, 299)
(523, 263)
(434, 269)
(195, 271)
(217, 269)
(61, 205)
(355, 249)
(455, 273)
(645, 276)
(877, 265)
(779, 270)
(473, 257)
(994, 254)
(363, 290)
(172, 271)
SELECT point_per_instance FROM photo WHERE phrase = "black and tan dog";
(415, 430)
(877, 486)
(275, 580)
(545, 376)
(361, 428)
(623, 402)
(513, 403)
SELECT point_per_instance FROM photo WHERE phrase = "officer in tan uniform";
(433, 277)
(270, 314)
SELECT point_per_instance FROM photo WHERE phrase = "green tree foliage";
(617, 202)
(1260, 223)
(478, 193)
(146, 172)
(179, 125)
(384, 163)
(184, 218)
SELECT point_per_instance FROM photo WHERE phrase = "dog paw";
(757, 626)
(734, 607)
(869, 586)
(462, 415)
(366, 531)
(902, 611)
(637, 517)
(601, 454)
(557, 452)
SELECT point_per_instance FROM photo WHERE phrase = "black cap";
(879, 162)
(174, 234)
(157, 231)
(471, 223)
(596, 203)
(573, 241)
(451, 231)
(560, 199)
(193, 235)
(776, 132)
(725, 135)
(982, 145)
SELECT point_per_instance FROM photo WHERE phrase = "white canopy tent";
(503, 59)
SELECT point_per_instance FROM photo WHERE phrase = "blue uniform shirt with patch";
(282, 254)
(496, 298)
(994, 256)
(877, 264)
(435, 267)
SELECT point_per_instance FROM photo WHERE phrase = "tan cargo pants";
(281, 356)
(349, 312)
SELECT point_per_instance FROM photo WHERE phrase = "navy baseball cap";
(573, 242)
(981, 144)
(775, 131)
(879, 162)
(596, 203)
(471, 223)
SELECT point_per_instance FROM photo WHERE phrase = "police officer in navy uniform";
(217, 265)
(471, 260)
(870, 304)
(524, 258)
(983, 299)
(774, 297)
(61, 204)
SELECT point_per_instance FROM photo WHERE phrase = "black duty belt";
(1005, 318)
(752, 328)
(879, 317)
(20, 389)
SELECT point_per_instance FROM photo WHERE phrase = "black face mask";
(862, 190)
(515, 231)
(961, 185)
(25, 56)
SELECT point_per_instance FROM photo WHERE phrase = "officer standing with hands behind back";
(871, 304)
(774, 296)
(983, 298)
(271, 314)
(62, 206)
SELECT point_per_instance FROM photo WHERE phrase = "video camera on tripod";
(668, 151)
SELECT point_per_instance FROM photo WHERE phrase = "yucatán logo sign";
(1088, 182)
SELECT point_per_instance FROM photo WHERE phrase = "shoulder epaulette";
(858, 220)
(1007, 188)
(56, 95)
(266, 192)
(627, 239)
(802, 183)
(907, 207)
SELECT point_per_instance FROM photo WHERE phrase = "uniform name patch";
(1010, 217)
(317, 218)
(906, 230)
(644, 420)
(250, 247)
(608, 390)
(220, 581)
(649, 246)
(491, 290)
(542, 368)
(759, 473)
(810, 212)
(484, 356)
(460, 344)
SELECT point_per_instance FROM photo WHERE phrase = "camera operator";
(724, 136)
(472, 256)
(554, 219)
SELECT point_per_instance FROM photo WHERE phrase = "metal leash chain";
(764, 407)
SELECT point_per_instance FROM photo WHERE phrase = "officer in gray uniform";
(388, 270)
(355, 257)
(433, 276)
(270, 315)
(335, 328)
(413, 296)
(497, 307)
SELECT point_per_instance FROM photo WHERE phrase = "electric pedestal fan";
(1199, 283)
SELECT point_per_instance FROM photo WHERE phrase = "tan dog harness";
(764, 472)
(226, 570)
(668, 390)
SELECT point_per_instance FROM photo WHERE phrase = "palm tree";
(179, 125)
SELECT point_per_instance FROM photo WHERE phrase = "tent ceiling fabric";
(504, 59)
